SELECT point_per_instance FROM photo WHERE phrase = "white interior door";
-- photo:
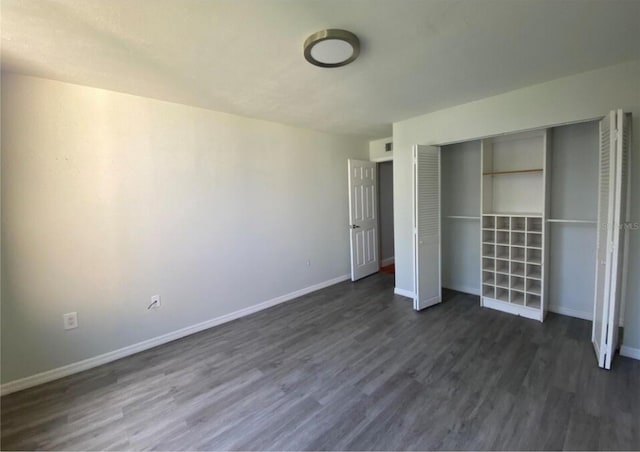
(426, 223)
(612, 203)
(363, 218)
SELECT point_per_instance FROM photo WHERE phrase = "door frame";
(378, 162)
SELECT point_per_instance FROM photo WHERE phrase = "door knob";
(354, 226)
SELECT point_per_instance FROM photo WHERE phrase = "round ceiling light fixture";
(331, 48)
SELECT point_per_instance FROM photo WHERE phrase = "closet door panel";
(605, 199)
(618, 234)
(427, 206)
(612, 203)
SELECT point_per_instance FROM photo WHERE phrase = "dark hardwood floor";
(350, 367)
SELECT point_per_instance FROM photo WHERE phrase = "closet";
(530, 222)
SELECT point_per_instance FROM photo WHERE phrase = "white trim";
(463, 289)
(54, 374)
(585, 315)
(504, 306)
(404, 293)
(388, 261)
(630, 352)
(386, 158)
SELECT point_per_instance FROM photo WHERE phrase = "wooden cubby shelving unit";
(514, 222)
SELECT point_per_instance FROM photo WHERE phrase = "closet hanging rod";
(498, 173)
(555, 220)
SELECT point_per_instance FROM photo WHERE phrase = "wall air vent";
(388, 147)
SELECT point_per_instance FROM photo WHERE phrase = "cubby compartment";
(517, 297)
(534, 240)
(488, 250)
(517, 268)
(517, 254)
(502, 237)
(502, 280)
(488, 277)
(533, 286)
(488, 237)
(534, 256)
(517, 283)
(517, 238)
(488, 264)
(488, 291)
(518, 224)
(502, 252)
(534, 271)
(488, 222)
(534, 224)
(502, 294)
(502, 223)
(533, 301)
(502, 266)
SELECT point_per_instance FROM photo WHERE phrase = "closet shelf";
(522, 171)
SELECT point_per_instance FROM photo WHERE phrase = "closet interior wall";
(460, 197)
(574, 210)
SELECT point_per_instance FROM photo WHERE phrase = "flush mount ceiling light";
(331, 48)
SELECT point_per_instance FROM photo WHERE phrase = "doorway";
(385, 215)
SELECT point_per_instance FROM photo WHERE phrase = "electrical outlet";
(70, 320)
(155, 302)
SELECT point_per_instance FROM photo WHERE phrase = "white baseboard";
(585, 315)
(463, 289)
(387, 261)
(54, 374)
(404, 293)
(630, 352)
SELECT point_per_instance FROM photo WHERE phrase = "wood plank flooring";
(350, 367)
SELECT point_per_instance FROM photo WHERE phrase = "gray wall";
(461, 197)
(108, 199)
(385, 195)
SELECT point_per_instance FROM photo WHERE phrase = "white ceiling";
(245, 56)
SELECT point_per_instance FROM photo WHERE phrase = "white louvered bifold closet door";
(426, 216)
(603, 238)
(619, 233)
(612, 214)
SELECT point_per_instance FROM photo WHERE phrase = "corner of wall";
(378, 150)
